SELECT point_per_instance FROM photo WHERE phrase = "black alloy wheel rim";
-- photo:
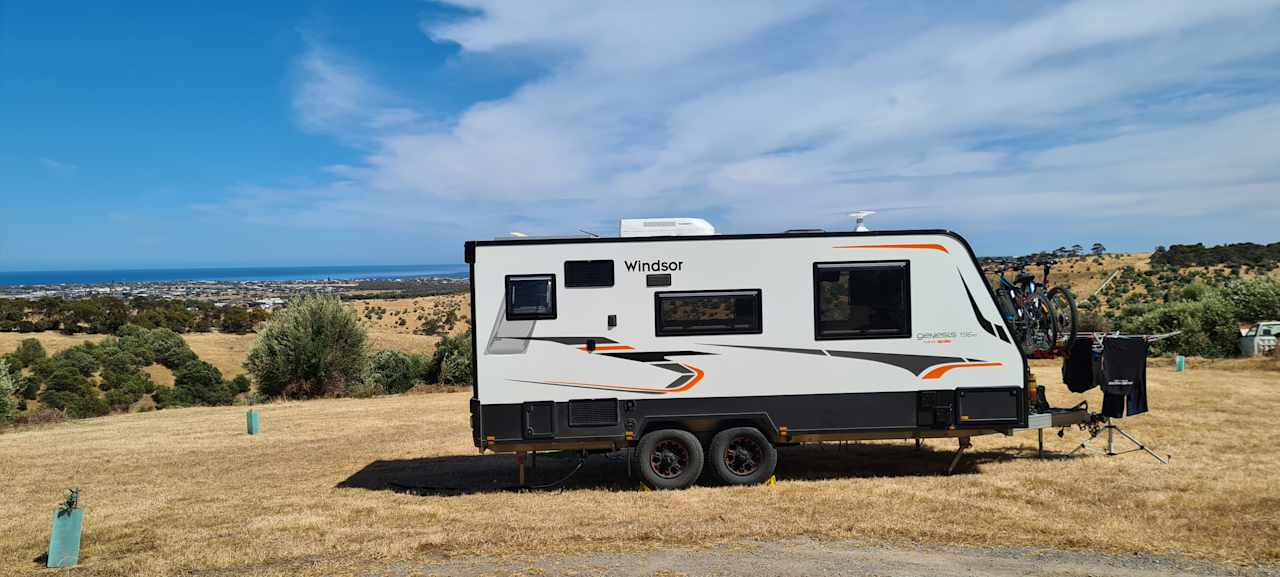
(743, 456)
(670, 459)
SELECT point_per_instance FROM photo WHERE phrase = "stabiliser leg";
(965, 443)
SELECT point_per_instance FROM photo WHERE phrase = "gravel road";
(805, 557)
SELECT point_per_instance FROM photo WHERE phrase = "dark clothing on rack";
(1124, 367)
(1077, 368)
(1112, 405)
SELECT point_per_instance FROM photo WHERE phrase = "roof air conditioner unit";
(665, 227)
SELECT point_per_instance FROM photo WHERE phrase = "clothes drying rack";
(1099, 423)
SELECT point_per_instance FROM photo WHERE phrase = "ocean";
(93, 277)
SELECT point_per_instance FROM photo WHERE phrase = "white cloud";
(56, 165)
(772, 115)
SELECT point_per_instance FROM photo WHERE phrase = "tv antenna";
(861, 216)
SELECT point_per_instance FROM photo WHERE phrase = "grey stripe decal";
(774, 349)
(674, 367)
(598, 388)
(986, 324)
(682, 379)
(915, 364)
(568, 340)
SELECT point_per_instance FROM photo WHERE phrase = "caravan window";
(588, 273)
(708, 312)
(531, 297)
(858, 300)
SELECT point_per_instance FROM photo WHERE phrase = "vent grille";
(593, 413)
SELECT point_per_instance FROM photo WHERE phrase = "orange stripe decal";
(697, 376)
(610, 348)
(940, 370)
(920, 246)
(689, 385)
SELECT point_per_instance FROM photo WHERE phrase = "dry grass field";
(407, 316)
(187, 492)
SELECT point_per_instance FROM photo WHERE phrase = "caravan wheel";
(669, 459)
(743, 456)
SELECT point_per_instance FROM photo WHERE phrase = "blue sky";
(273, 133)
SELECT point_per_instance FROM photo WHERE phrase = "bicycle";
(1043, 319)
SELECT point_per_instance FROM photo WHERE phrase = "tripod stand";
(1095, 430)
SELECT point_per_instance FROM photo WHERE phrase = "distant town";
(262, 294)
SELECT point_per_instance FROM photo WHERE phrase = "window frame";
(657, 312)
(506, 297)
(817, 299)
(613, 273)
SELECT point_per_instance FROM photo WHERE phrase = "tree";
(29, 351)
(68, 390)
(314, 347)
(169, 348)
(451, 364)
(1077, 250)
(80, 358)
(396, 372)
(237, 320)
(8, 406)
(200, 383)
(1097, 249)
(240, 384)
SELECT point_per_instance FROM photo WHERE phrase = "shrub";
(121, 399)
(87, 406)
(136, 341)
(80, 358)
(8, 408)
(1208, 326)
(396, 372)
(29, 351)
(70, 391)
(240, 384)
(1254, 300)
(30, 387)
(118, 366)
(452, 361)
(169, 349)
(365, 389)
(200, 383)
(315, 347)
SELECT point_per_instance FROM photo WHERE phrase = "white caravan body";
(588, 342)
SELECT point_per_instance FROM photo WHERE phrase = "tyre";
(1064, 315)
(669, 459)
(742, 456)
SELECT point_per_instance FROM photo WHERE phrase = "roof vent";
(665, 227)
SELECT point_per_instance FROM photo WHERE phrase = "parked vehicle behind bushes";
(1260, 339)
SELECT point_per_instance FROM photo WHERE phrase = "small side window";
(862, 300)
(588, 273)
(531, 297)
(708, 312)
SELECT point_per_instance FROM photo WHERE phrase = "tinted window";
(862, 300)
(588, 273)
(531, 297)
(708, 312)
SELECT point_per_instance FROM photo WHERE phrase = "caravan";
(693, 347)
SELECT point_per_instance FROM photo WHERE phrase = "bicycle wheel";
(1065, 315)
(1047, 329)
